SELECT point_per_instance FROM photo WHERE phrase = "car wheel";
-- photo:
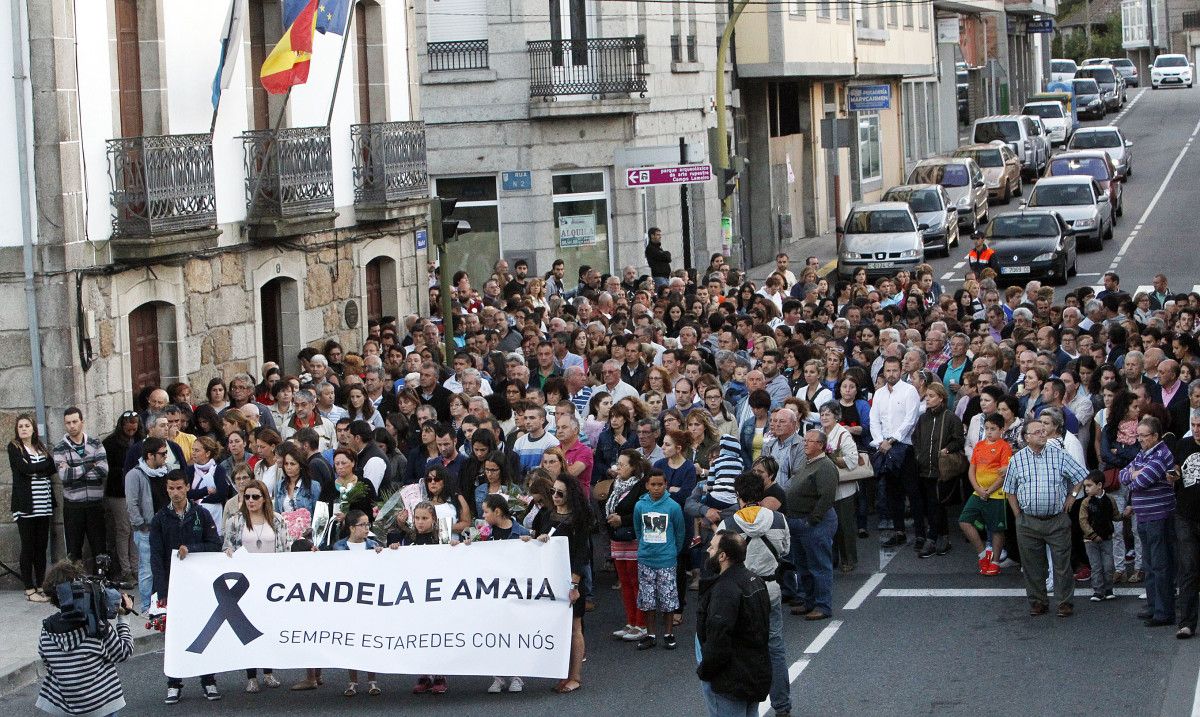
(1074, 270)
(1129, 171)
(1109, 234)
(1060, 276)
(1120, 209)
(1018, 190)
(1006, 197)
(986, 217)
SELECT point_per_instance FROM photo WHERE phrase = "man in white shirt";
(617, 389)
(894, 412)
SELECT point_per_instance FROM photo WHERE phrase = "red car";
(1095, 164)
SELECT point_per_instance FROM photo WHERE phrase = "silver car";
(1081, 203)
(881, 238)
(1109, 139)
(934, 211)
(963, 181)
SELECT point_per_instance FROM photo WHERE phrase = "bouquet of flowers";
(298, 522)
(386, 510)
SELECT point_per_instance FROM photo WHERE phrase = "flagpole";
(266, 157)
(212, 126)
(337, 79)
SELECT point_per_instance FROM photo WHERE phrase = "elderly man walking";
(1041, 484)
(813, 522)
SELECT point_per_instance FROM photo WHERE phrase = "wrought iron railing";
(1191, 20)
(389, 162)
(289, 172)
(599, 66)
(162, 184)
(459, 55)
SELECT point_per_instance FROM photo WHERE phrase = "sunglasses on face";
(433, 480)
(560, 494)
(253, 496)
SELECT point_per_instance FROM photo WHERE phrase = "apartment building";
(537, 112)
(167, 244)
(836, 101)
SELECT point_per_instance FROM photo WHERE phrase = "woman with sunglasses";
(450, 507)
(258, 529)
(571, 517)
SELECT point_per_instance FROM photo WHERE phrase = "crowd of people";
(662, 423)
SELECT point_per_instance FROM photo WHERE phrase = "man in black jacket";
(185, 527)
(732, 625)
(658, 258)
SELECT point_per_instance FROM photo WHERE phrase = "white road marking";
(865, 591)
(982, 592)
(1143, 288)
(800, 665)
(1090, 273)
(1196, 288)
(960, 265)
(1196, 698)
(823, 638)
(947, 276)
(1128, 107)
(1157, 195)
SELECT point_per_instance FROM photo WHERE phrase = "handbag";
(601, 490)
(1112, 479)
(951, 466)
(859, 472)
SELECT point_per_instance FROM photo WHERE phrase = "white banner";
(438, 609)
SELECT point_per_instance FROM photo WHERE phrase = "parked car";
(1096, 164)
(932, 207)
(1111, 86)
(1171, 70)
(1019, 133)
(1112, 141)
(1127, 70)
(1001, 168)
(963, 181)
(1062, 70)
(1081, 203)
(882, 238)
(1032, 244)
(1095, 61)
(1053, 116)
(1089, 103)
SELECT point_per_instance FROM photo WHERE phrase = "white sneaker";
(516, 684)
(497, 687)
(210, 693)
(172, 696)
(634, 634)
(252, 685)
(620, 634)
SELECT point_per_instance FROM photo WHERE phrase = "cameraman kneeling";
(81, 669)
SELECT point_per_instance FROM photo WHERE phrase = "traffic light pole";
(447, 304)
(722, 147)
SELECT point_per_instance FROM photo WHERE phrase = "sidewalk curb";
(32, 671)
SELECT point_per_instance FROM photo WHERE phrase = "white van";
(1062, 70)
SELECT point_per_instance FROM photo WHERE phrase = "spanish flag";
(287, 65)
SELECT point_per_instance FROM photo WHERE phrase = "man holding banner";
(180, 528)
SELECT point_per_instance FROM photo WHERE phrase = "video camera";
(91, 600)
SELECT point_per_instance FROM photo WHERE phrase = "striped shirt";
(39, 490)
(1041, 480)
(1153, 497)
(530, 450)
(81, 672)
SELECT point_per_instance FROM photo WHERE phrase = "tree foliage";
(1106, 43)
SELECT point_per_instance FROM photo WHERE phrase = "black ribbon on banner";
(227, 611)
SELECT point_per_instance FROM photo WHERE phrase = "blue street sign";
(867, 98)
(422, 239)
(1040, 27)
(516, 181)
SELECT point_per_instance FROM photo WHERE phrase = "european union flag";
(331, 16)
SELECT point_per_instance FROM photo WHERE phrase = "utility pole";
(722, 148)
(1087, 24)
(444, 228)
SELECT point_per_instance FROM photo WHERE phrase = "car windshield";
(990, 131)
(1012, 226)
(919, 200)
(1046, 111)
(1063, 67)
(1061, 195)
(1095, 140)
(1086, 87)
(882, 221)
(1093, 167)
(1099, 74)
(983, 157)
(1122, 63)
(1170, 62)
(947, 175)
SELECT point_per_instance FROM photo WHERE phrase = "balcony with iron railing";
(163, 195)
(289, 181)
(389, 167)
(458, 55)
(609, 71)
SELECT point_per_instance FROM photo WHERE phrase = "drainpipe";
(20, 79)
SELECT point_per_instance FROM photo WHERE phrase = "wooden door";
(364, 71)
(143, 348)
(129, 68)
(272, 337)
(374, 290)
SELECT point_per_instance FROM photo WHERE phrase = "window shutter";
(453, 20)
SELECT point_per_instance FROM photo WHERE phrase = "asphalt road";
(909, 636)
(1162, 125)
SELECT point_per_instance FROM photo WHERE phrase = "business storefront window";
(869, 155)
(476, 251)
(581, 222)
